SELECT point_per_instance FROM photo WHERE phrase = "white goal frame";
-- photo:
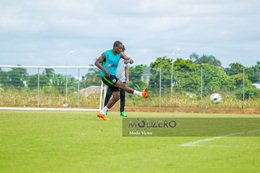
(102, 90)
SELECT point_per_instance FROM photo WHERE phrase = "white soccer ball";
(215, 98)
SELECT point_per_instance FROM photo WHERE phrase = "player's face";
(119, 48)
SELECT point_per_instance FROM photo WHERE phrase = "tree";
(194, 57)
(205, 59)
(215, 79)
(49, 72)
(234, 68)
(17, 77)
(59, 82)
(186, 76)
(238, 78)
(183, 65)
(165, 64)
(33, 81)
(92, 78)
(249, 93)
(253, 72)
(4, 81)
(135, 74)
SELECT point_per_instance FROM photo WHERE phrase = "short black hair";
(117, 43)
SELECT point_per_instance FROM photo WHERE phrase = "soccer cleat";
(145, 93)
(123, 114)
(103, 116)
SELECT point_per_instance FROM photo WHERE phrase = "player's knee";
(116, 98)
(118, 84)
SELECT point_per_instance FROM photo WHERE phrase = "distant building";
(257, 85)
(25, 83)
(90, 90)
(146, 75)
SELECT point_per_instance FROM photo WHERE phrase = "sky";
(76, 32)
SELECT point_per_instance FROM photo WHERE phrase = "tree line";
(188, 74)
(184, 75)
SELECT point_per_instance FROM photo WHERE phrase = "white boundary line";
(195, 143)
(47, 109)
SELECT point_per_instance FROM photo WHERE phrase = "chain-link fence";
(59, 87)
(185, 88)
(169, 88)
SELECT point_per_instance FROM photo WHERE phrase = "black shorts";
(110, 82)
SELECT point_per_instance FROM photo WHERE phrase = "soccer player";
(122, 74)
(108, 75)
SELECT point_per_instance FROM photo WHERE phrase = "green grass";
(67, 142)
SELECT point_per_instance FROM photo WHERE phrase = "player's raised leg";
(123, 86)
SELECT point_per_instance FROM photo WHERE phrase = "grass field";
(67, 142)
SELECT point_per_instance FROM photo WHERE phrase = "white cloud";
(46, 30)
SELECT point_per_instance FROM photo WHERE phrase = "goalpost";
(58, 88)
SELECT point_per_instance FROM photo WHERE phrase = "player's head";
(118, 47)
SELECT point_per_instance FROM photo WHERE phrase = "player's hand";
(127, 82)
(131, 61)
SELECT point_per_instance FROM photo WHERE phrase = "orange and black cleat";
(145, 93)
(103, 116)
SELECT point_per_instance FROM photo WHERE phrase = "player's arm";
(127, 75)
(127, 60)
(98, 64)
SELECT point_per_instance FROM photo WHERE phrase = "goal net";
(59, 88)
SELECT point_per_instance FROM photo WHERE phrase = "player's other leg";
(114, 99)
(108, 96)
(123, 86)
(110, 104)
(122, 103)
(115, 92)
